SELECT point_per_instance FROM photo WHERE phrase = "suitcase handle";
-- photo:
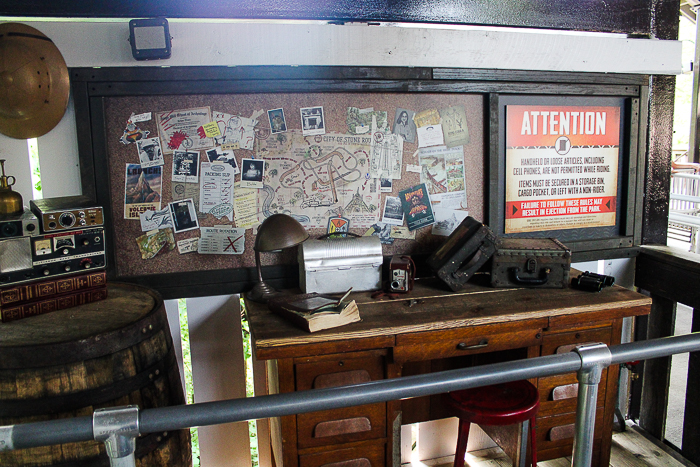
(466, 269)
(544, 277)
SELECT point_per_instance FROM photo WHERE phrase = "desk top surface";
(431, 307)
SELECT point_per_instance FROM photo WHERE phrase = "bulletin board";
(346, 139)
(309, 138)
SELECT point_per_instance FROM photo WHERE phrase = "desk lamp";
(277, 232)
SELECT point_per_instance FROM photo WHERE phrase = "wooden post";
(657, 372)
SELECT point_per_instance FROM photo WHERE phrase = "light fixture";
(150, 38)
(277, 232)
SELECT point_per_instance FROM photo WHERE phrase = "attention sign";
(561, 167)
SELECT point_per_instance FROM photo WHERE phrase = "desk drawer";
(566, 341)
(472, 342)
(364, 455)
(558, 430)
(338, 371)
(341, 425)
(558, 394)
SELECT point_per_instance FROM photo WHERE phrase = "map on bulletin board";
(313, 178)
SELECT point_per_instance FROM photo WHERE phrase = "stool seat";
(499, 404)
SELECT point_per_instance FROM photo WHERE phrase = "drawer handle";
(362, 462)
(342, 427)
(561, 432)
(568, 391)
(482, 344)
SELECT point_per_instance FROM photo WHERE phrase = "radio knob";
(83, 222)
(65, 251)
(66, 267)
(67, 219)
(45, 271)
(31, 227)
(86, 263)
(86, 242)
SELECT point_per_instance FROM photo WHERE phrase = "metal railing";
(118, 427)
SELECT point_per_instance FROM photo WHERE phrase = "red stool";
(500, 404)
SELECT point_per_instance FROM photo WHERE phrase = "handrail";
(210, 413)
(685, 175)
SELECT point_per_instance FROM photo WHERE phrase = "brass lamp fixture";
(277, 232)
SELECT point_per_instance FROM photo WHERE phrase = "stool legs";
(533, 445)
(462, 438)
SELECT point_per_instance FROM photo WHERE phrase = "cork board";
(335, 108)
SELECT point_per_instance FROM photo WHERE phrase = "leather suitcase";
(530, 262)
(467, 249)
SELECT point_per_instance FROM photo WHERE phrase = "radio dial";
(67, 219)
(86, 242)
(66, 268)
(45, 271)
(86, 263)
(65, 251)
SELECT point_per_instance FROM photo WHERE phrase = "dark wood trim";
(668, 272)
(657, 371)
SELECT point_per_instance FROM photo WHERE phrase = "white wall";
(105, 43)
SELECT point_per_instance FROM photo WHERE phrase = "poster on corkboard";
(226, 162)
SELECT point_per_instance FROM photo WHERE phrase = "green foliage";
(187, 363)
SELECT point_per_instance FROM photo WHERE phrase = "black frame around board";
(90, 87)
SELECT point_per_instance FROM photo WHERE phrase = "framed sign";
(563, 165)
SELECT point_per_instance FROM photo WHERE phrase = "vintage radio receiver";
(24, 224)
(66, 213)
(25, 259)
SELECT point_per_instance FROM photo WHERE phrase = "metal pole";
(117, 428)
(594, 359)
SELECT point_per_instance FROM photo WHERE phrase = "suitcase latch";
(531, 265)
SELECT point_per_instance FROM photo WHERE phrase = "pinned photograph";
(277, 121)
(404, 125)
(184, 215)
(252, 173)
(225, 156)
(312, 122)
(386, 185)
(393, 213)
(142, 190)
(150, 153)
(186, 166)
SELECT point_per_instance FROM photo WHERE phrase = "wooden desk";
(433, 329)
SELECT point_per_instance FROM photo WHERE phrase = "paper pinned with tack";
(245, 201)
(188, 245)
(430, 136)
(215, 241)
(216, 190)
(211, 129)
(414, 168)
(144, 117)
(154, 220)
(447, 220)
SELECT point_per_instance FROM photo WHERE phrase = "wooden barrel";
(114, 352)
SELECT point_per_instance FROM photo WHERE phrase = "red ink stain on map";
(176, 139)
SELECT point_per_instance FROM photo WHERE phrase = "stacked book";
(37, 298)
(315, 312)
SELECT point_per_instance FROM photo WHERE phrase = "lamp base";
(262, 292)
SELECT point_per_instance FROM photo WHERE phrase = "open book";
(314, 312)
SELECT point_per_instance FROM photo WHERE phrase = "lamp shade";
(279, 231)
